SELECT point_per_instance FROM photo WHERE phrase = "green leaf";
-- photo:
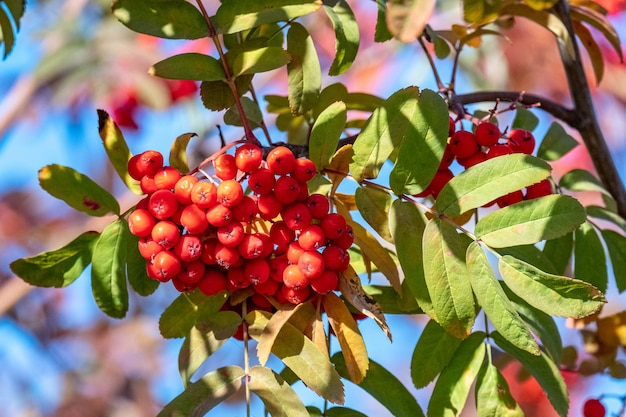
(540, 323)
(108, 270)
(406, 225)
(325, 134)
(343, 412)
(480, 11)
(391, 302)
(189, 66)
(582, 180)
(251, 110)
(171, 19)
(382, 33)
(138, 278)
(493, 178)
(302, 356)
(201, 396)
(559, 251)
(524, 119)
(552, 294)
(495, 303)
(385, 387)
(216, 95)
(532, 255)
(259, 60)
(447, 278)
(116, 149)
(178, 152)
(543, 370)
(434, 350)
(556, 143)
(605, 214)
(346, 35)
(541, 4)
(453, 385)
(239, 15)
(57, 268)
(303, 71)
(427, 137)
(406, 19)
(6, 30)
(77, 190)
(493, 398)
(616, 245)
(589, 259)
(277, 396)
(385, 130)
(374, 205)
(180, 316)
(601, 23)
(531, 221)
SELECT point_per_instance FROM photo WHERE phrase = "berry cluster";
(210, 234)
(484, 143)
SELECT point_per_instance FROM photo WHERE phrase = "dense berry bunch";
(486, 142)
(253, 224)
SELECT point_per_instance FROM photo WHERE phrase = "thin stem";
(440, 85)
(230, 80)
(263, 125)
(246, 355)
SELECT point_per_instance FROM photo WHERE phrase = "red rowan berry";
(312, 237)
(472, 160)
(251, 246)
(294, 251)
(269, 207)
(334, 257)
(213, 282)
(204, 194)
(294, 278)
(463, 144)
(304, 170)
(148, 247)
(225, 256)
(499, 150)
(237, 278)
(267, 287)
(447, 158)
(166, 234)
(295, 296)
(257, 271)
(325, 283)
(311, 264)
(166, 178)
(182, 286)
(162, 204)
(261, 181)
(231, 234)
(277, 267)
(188, 248)
(183, 187)
(521, 140)
(229, 193)
(141, 222)
(487, 134)
(281, 160)
(191, 272)
(246, 210)
(193, 218)
(333, 225)
(540, 189)
(593, 408)
(511, 198)
(440, 179)
(296, 216)
(164, 266)
(287, 190)
(219, 215)
(225, 167)
(147, 184)
(208, 251)
(345, 240)
(248, 157)
(145, 163)
(318, 205)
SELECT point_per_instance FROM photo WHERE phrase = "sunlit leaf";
(605, 214)
(178, 152)
(180, 316)
(259, 60)
(339, 166)
(374, 205)
(553, 294)
(77, 190)
(582, 180)
(480, 11)
(346, 35)
(189, 66)
(489, 180)
(407, 227)
(385, 387)
(172, 19)
(136, 272)
(352, 290)
(532, 255)
(543, 370)
(302, 356)
(447, 278)
(556, 143)
(304, 72)
(251, 110)
(434, 350)
(325, 134)
(385, 130)
(206, 393)
(589, 259)
(453, 385)
(349, 337)
(495, 303)
(239, 15)
(216, 95)
(616, 245)
(343, 412)
(57, 268)
(391, 302)
(531, 221)
(493, 397)
(406, 19)
(427, 137)
(116, 149)
(277, 396)
(195, 350)
(108, 269)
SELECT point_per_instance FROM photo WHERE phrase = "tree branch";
(587, 123)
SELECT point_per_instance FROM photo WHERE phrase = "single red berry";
(164, 266)
(593, 408)
(257, 271)
(541, 189)
(333, 225)
(231, 235)
(277, 267)
(237, 278)
(191, 272)
(499, 150)
(162, 204)
(487, 134)
(326, 282)
(166, 233)
(294, 251)
(248, 157)
(204, 194)
(281, 236)
(311, 264)
(287, 190)
(183, 188)
(463, 144)
(145, 163)
(226, 257)
(447, 158)
(269, 207)
(440, 179)
(304, 170)
(345, 239)
(296, 216)
(251, 246)
(166, 178)
(295, 296)
(229, 193)
(268, 287)
(148, 186)
(281, 160)
(219, 215)
(213, 282)
(334, 257)
(312, 237)
(294, 278)
(246, 210)
(208, 251)
(188, 248)
(148, 248)
(141, 222)
(261, 181)
(225, 167)
(521, 141)
(193, 218)
(318, 205)
(472, 160)
(509, 199)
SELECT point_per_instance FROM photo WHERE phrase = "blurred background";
(59, 355)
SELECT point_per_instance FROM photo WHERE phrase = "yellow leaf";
(612, 329)
(348, 200)
(339, 166)
(352, 290)
(348, 335)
